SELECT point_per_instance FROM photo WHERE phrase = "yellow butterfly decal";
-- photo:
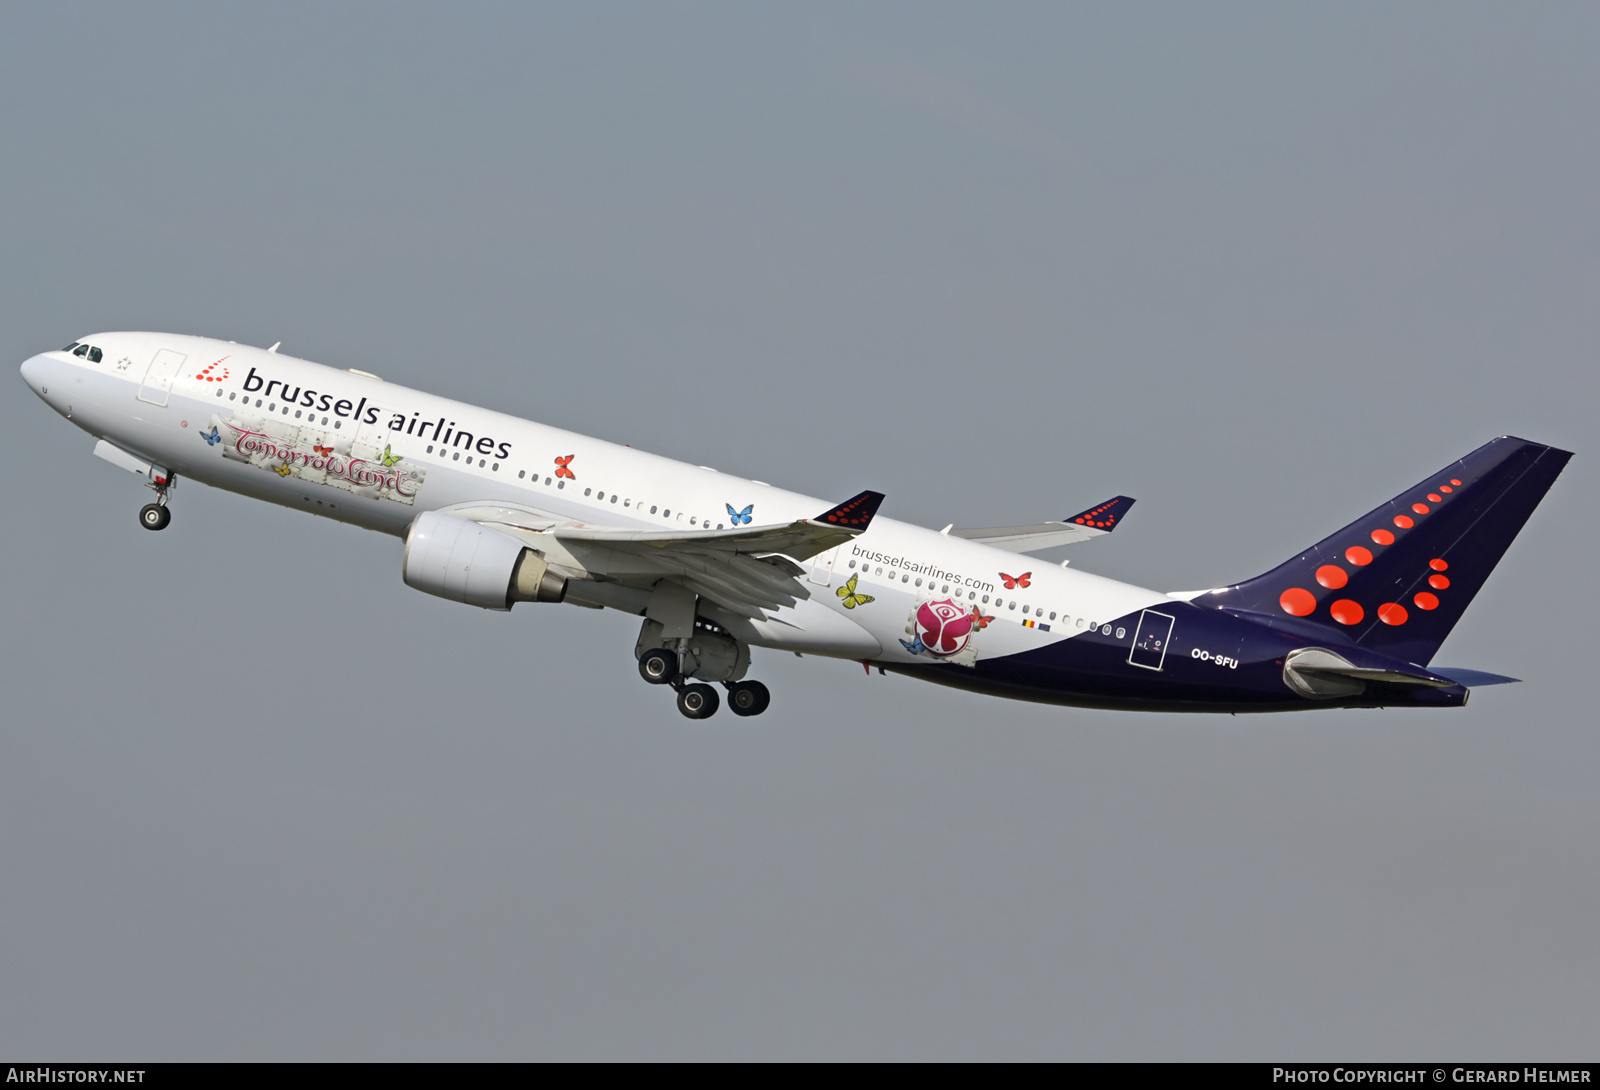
(389, 459)
(851, 598)
(283, 470)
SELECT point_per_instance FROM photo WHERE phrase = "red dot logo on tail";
(1392, 613)
(1346, 611)
(1297, 602)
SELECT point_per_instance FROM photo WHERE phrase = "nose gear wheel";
(154, 516)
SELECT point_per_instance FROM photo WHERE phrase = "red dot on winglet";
(1347, 612)
(1425, 600)
(1455, 482)
(1405, 522)
(1332, 576)
(1383, 537)
(1297, 602)
(1439, 582)
(1420, 508)
(1435, 497)
(1445, 488)
(1392, 613)
(1358, 555)
(1438, 564)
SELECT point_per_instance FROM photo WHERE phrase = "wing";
(1032, 538)
(746, 570)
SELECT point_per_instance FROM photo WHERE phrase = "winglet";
(1104, 516)
(854, 513)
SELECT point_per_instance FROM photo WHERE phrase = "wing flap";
(800, 540)
(746, 570)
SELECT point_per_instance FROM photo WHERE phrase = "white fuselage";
(224, 413)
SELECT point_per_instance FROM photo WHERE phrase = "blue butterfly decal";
(739, 517)
(916, 646)
(211, 437)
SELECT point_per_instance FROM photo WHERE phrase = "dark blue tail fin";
(1398, 579)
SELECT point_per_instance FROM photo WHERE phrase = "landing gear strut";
(711, 653)
(155, 516)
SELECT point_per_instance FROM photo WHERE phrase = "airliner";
(494, 511)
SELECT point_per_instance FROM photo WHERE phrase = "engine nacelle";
(467, 562)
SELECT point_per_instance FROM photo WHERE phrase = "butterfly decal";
(211, 437)
(562, 470)
(739, 517)
(979, 619)
(324, 451)
(283, 470)
(1012, 582)
(851, 598)
(390, 459)
(914, 645)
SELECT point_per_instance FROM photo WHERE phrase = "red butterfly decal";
(1012, 582)
(979, 619)
(562, 470)
(324, 451)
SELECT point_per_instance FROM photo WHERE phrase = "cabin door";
(157, 384)
(1151, 640)
(821, 572)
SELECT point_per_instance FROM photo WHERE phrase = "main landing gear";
(697, 700)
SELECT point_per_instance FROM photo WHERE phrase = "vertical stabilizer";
(1399, 578)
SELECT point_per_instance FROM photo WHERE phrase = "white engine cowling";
(466, 562)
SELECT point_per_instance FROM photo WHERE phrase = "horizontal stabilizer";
(1037, 536)
(1472, 679)
(1321, 674)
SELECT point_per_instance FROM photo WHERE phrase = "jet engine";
(466, 562)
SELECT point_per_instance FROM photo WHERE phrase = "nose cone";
(34, 373)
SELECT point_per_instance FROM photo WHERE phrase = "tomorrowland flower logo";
(943, 627)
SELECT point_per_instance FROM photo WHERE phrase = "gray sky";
(1261, 267)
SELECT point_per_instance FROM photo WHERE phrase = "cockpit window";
(95, 356)
(83, 350)
(70, 347)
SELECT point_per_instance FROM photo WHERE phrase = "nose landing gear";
(155, 516)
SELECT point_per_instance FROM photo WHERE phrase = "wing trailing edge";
(746, 569)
